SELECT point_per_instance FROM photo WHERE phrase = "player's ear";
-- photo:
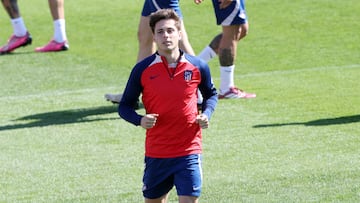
(180, 34)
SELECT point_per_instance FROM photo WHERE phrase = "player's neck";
(171, 56)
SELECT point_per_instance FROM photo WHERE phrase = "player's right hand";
(149, 120)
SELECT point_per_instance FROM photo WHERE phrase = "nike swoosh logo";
(196, 188)
(153, 77)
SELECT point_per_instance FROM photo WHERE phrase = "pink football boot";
(15, 42)
(53, 46)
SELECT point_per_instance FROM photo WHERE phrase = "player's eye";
(160, 32)
(169, 31)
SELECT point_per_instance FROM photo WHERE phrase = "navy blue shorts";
(234, 14)
(150, 6)
(161, 174)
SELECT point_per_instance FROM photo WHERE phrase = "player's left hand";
(224, 3)
(202, 120)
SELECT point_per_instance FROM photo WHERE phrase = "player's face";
(166, 35)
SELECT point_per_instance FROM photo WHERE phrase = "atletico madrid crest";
(188, 75)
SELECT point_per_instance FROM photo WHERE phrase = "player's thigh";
(188, 199)
(188, 179)
(162, 199)
(244, 29)
(158, 178)
(230, 34)
(144, 28)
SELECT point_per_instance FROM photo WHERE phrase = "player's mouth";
(167, 43)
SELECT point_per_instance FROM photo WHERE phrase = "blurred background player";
(145, 39)
(231, 15)
(21, 36)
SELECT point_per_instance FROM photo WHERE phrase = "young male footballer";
(168, 81)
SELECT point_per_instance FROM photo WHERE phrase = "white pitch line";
(278, 72)
(104, 90)
(100, 91)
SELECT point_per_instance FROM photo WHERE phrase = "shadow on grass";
(319, 122)
(18, 53)
(64, 117)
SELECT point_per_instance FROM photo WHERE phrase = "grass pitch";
(298, 141)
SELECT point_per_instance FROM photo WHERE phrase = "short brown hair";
(164, 14)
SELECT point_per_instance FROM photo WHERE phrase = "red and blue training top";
(171, 93)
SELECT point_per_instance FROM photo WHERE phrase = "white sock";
(19, 27)
(226, 78)
(59, 30)
(207, 53)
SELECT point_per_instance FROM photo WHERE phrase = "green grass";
(298, 141)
